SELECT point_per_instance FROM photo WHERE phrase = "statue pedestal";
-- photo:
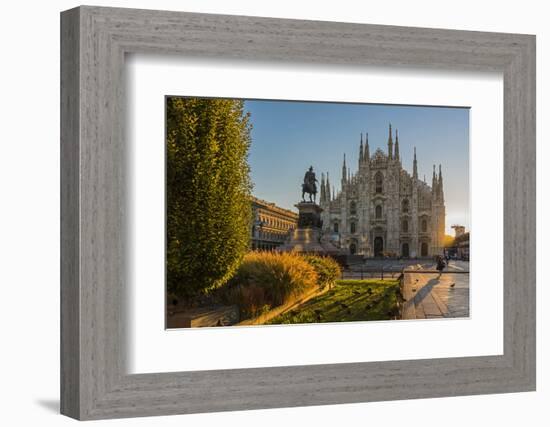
(309, 215)
(308, 237)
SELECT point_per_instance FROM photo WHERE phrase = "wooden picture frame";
(94, 382)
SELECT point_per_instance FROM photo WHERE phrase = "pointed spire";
(344, 172)
(434, 182)
(415, 167)
(396, 145)
(390, 144)
(322, 196)
(327, 189)
(361, 150)
(366, 154)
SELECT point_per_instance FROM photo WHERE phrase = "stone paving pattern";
(434, 296)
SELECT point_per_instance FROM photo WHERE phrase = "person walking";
(440, 265)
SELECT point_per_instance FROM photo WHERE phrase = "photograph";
(294, 212)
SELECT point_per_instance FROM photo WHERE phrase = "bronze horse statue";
(309, 185)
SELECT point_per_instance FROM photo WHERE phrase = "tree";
(208, 192)
(448, 241)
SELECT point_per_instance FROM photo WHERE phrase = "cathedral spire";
(415, 167)
(396, 145)
(327, 189)
(434, 182)
(390, 144)
(361, 150)
(344, 173)
(366, 154)
(322, 197)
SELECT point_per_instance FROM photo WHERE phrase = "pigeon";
(452, 285)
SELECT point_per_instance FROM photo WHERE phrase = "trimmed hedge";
(208, 210)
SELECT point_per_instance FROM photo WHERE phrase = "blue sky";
(290, 136)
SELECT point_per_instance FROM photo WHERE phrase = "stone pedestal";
(309, 215)
(308, 237)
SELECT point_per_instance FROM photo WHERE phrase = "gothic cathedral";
(383, 210)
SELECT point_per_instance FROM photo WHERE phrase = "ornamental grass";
(327, 269)
(269, 279)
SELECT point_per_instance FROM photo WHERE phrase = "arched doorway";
(378, 246)
(424, 249)
(405, 250)
(353, 249)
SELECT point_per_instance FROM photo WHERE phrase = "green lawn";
(348, 300)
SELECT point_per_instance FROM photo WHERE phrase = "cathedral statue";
(309, 185)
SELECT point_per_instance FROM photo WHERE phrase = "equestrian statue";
(309, 185)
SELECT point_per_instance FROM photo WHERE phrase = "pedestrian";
(440, 265)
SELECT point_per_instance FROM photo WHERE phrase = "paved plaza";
(434, 296)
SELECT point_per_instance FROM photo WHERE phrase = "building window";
(405, 206)
(353, 208)
(424, 225)
(335, 228)
(378, 211)
(379, 182)
(405, 226)
(352, 227)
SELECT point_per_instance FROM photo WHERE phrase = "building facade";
(381, 209)
(461, 244)
(271, 225)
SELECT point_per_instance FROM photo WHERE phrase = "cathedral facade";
(381, 209)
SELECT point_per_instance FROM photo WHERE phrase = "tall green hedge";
(207, 192)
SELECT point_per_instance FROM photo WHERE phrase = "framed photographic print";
(329, 255)
(262, 213)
